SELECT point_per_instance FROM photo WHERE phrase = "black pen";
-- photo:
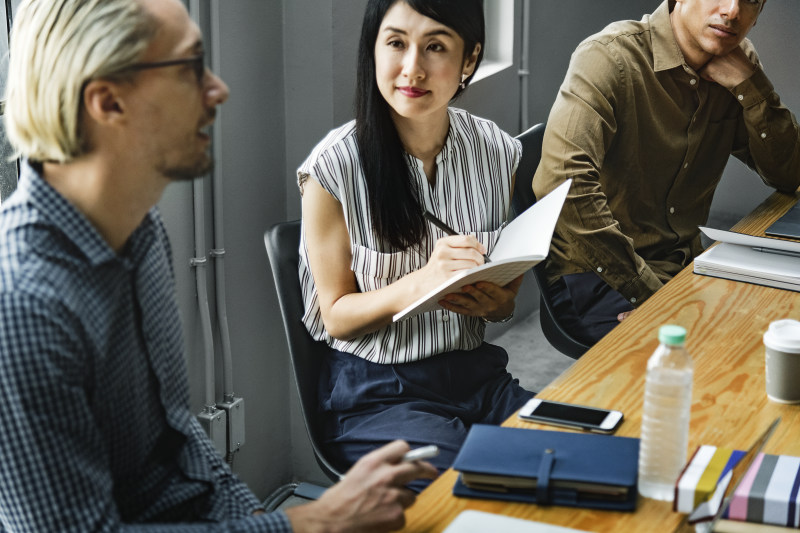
(447, 229)
(776, 251)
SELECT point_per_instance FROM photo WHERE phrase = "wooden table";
(725, 321)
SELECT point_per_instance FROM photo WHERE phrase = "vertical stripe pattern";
(767, 494)
(702, 475)
(472, 195)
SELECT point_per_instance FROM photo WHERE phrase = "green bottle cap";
(671, 335)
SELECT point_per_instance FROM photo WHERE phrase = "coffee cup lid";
(783, 335)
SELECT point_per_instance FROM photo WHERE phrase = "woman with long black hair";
(367, 251)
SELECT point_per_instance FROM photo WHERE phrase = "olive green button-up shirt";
(645, 140)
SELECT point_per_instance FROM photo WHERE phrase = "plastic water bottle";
(665, 419)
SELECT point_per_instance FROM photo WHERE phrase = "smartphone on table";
(571, 415)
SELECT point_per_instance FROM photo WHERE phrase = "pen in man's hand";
(447, 229)
(419, 454)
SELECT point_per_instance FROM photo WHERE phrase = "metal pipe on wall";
(524, 66)
(218, 253)
(200, 262)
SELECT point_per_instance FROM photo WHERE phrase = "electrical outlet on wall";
(214, 422)
(235, 411)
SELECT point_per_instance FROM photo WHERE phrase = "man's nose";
(729, 9)
(216, 90)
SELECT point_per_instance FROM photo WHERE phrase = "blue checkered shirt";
(94, 413)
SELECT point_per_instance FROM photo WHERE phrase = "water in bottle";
(665, 418)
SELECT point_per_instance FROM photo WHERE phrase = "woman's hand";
(451, 255)
(484, 299)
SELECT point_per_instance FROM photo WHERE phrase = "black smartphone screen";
(573, 413)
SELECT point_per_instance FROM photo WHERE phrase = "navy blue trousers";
(586, 306)
(433, 401)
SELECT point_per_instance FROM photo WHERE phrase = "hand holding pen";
(447, 229)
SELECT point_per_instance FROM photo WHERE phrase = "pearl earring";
(463, 79)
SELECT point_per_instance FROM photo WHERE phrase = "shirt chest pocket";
(489, 238)
(375, 270)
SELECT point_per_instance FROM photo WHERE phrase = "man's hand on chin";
(729, 70)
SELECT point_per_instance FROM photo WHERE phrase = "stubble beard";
(189, 172)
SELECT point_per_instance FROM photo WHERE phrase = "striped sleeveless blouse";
(472, 194)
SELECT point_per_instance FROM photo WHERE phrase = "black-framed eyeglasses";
(197, 62)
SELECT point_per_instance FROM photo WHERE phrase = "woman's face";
(419, 63)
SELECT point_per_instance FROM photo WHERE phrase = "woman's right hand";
(451, 255)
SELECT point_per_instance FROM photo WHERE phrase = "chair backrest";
(283, 243)
(522, 199)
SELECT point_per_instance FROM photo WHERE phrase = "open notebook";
(758, 260)
(522, 244)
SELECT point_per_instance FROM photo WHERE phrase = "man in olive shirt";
(643, 124)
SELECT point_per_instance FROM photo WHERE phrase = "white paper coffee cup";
(782, 347)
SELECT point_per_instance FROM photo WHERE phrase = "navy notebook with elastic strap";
(548, 467)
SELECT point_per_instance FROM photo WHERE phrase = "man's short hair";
(57, 46)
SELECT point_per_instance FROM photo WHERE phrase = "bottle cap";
(671, 335)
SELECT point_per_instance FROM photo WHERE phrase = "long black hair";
(393, 195)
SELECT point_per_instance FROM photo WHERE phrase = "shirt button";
(692, 81)
(445, 318)
(740, 97)
(686, 165)
(633, 300)
(671, 210)
(763, 135)
(599, 269)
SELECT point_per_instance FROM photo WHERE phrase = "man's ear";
(103, 101)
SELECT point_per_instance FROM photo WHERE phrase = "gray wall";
(558, 27)
(253, 169)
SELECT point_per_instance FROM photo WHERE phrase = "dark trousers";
(586, 306)
(433, 401)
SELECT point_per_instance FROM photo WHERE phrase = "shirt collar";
(73, 225)
(666, 52)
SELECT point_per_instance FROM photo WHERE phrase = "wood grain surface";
(725, 321)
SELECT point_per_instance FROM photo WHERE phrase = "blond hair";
(57, 46)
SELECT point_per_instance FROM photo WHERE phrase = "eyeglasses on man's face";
(196, 62)
(753, 3)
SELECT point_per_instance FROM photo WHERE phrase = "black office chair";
(283, 241)
(522, 199)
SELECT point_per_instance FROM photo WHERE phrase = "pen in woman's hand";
(447, 229)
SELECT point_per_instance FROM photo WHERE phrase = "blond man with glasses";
(108, 102)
